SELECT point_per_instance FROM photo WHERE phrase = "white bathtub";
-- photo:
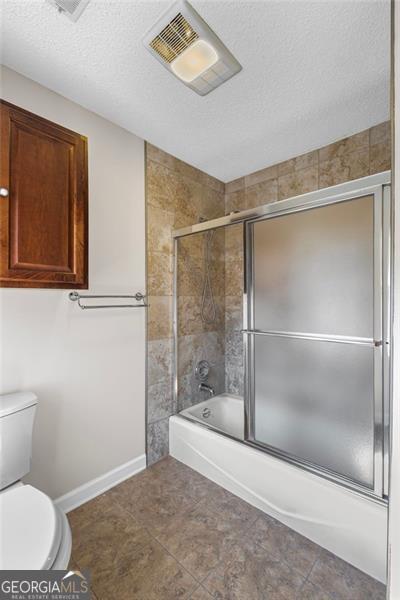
(225, 413)
(350, 525)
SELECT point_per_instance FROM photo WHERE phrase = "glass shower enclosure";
(316, 330)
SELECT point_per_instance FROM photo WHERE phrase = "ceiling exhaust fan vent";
(185, 45)
(70, 8)
(174, 38)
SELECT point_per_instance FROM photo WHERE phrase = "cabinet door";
(43, 229)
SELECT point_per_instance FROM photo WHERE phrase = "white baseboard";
(101, 484)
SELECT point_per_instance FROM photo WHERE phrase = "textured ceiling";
(313, 72)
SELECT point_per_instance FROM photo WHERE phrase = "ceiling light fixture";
(185, 45)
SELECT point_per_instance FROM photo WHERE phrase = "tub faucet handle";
(204, 387)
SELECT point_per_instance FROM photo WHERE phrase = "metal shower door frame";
(372, 184)
(381, 328)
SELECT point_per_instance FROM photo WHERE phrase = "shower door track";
(379, 186)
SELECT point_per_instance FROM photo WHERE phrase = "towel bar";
(76, 297)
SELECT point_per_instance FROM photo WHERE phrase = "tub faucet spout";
(204, 387)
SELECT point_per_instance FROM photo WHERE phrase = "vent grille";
(68, 6)
(173, 39)
(71, 8)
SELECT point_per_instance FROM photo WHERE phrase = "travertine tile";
(262, 193)
(160, 274)
(286, 167)
(191, 247)
(235, 185)
(155, 154)
(157, 440)
(234, 379)
(189, 315)
(190, 274)
(189, 171)
(344, 168)
(234, 348)
(154, 575)
(235, 201)
(345, 146)
(214, 184)
(234, 245)
(185, 393)
(261, 175)
(162, 186)
(190, 311)
(159, 230)
(380, 157)
(213, 204)
(380, 133)
(248, 572)
(189, 393)
(159, 317)
(298, 182)
(188, 205)
(233, 313)
(297, 163)
(304, 161)
(192, 348)
(160, 403)
(342, 581)
(159, 360)
(217, 278)
(233, 278)
(183, 169)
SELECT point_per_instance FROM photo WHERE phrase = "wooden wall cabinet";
(43, 203)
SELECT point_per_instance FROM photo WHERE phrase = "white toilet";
(34, 533)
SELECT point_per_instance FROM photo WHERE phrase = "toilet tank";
(17, 413)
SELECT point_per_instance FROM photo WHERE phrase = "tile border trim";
(100, 484)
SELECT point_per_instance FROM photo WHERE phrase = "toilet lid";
(30, 529)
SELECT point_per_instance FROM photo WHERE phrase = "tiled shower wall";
(178, 195)
(362, 154)
(201, 324)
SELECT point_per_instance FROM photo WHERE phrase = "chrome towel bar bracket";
(139, 297)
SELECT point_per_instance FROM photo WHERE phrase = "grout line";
(369, 151)
(308, 580)
(176, 560)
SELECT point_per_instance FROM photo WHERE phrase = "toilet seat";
(32, 529)
(62, 559)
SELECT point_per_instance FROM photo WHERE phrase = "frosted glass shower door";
(314, 331)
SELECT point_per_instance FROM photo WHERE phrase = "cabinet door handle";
(4, 192)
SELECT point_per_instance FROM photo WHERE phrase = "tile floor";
(168, 533)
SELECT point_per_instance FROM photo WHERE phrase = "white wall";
(87, 367)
